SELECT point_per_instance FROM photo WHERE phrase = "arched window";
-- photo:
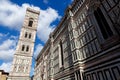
(61, 48)
(23, 47)
(103, 24)
(29, 35)
(26, 35)
(27, 48)
(30, 22)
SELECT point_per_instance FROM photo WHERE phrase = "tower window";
(23, 47)
(27, 48)
(30, 23)
(103, 24)
(26, 35)
(29, 35)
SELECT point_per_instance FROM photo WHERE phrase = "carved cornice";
(33, 10)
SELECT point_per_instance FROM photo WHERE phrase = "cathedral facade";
(22, 61)
(85, 45)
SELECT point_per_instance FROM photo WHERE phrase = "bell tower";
(22, 61)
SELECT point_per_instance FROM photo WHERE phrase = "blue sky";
(12, 14)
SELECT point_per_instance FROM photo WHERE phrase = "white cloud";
(46, 18)
(12, 16)
(38, 48)
(7, 44)
(7, 55)
(3, 35)
(5, 66)
(7, 49)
